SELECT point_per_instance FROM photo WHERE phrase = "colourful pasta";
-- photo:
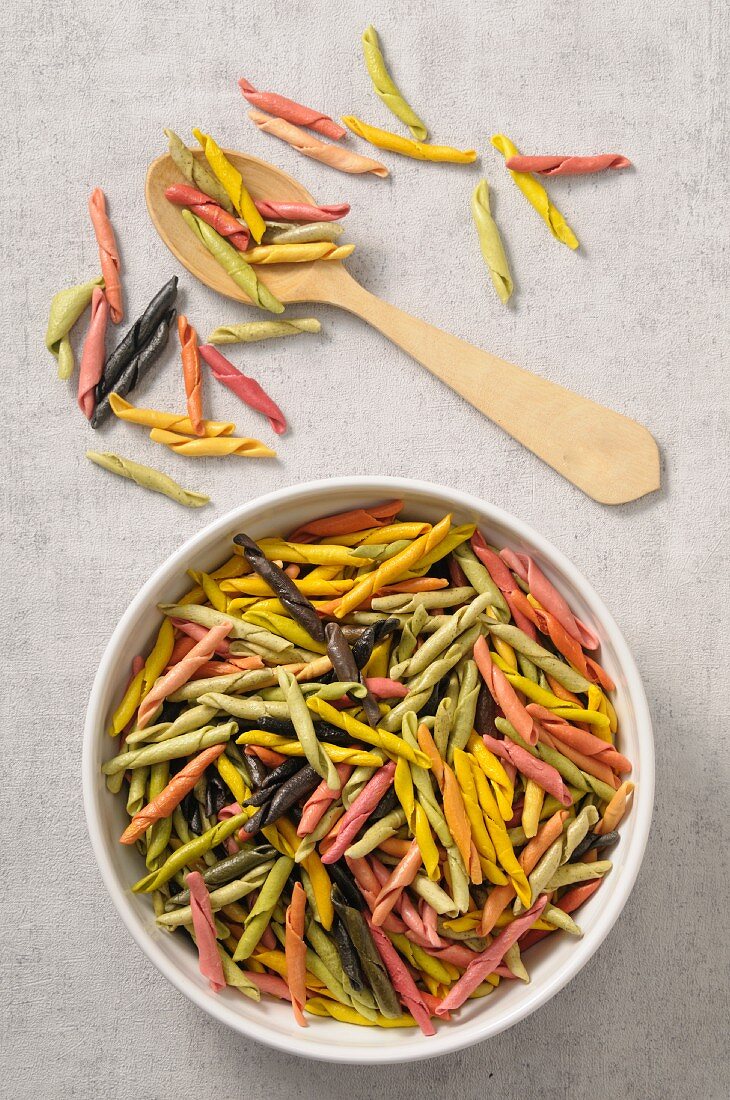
(490, 242)
(108, 253)
(233, 262)
(417, 150)
(191, 373)
(148, 478)
(66, 308)
(333, 155)
(247, 389)
(301, 211)
(385, 86)
(567, 166)
(232, 182)
(287, 109)
(211, 212)
(93, 355)
(537, 196)
(376, 848)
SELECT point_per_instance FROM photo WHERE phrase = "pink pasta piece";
(503, 693)
(209, 960)
(545, 775)
(401, 876)
(198, 632)
(320, 800)
(504, 581)
(285, 108)
(301, 211)
(369, 888)
(383, 688)
(429, 916)
(247, 389)
(548, 596)
(359, 811)
(403, 983)
(183, 671)
(108, 253)
(211, 212)
(94, 354)
(405, 908)
(485, 962)
(334, 155)
(578, 739)
(270, 983)
(567, 166)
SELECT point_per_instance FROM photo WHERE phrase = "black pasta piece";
(257, 770)
(229, 868)
(300, 607)
(284, 771)
(341, 874)
(344, 665)
(388, 802)
(301, 784)
(486, 712)
(373, 966)
(191, 812)
(593, 840)
(325, 732)
(136, 337)
(260, 797)
(216, 793)
(136, 368)
(348, 955)
(373, 635)
(170, 711)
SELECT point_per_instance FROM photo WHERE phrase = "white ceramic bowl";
(551, 963)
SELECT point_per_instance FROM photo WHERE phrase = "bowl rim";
(447, 1041)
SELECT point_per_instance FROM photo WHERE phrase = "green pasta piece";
(236, 978)
(513, 959)
(373, 966)
(159, 832)
(531, 671)
(450, 628)
(446, 661)
(577, 829)
(579, 872)
(441, 725)
(490, 242)
(545, 660)
(424, 787)
(180, 825)
(480, 579)
(185, 745)
(459, 878)
(148, 478)
(383, 829)
(435, 896)
(66, 308)
(192, 719)
(224, 895)
(284, 233)
(326, 951)
(194, 848)
(250, 331)
(301, 717)
(410, 705)
(466, 707)
(208, 616)
(250, 709)
(136, 795)
(362, 774)
(386, 87)
(556, 916)
(334, 690)
(408, 601)
(260, 915)
(232, 262)
(196, 171)
(378, 552)
(409, 636)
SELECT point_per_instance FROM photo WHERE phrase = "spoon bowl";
(609, 456)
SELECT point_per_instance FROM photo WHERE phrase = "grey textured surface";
(635, 320)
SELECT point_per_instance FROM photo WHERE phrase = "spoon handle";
(609, 456)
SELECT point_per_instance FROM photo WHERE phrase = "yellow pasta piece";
(233, 184)
(417, 150)
(130, 701)
(322, 1006)
(534, 798)
(454, 538)
(215, 597)
(390, 743)
(465, 779)
(340, 755)
(309, 553)
(505, 651)
(308, 586)
(221, 445)
(174, 422)
(536, 195)
(490, 242)
(233, 779)
(386, 87)
(298, 253)
(159, 655)
(497, 776)
(393, 569)
(286, 628)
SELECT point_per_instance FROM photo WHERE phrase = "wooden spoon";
(610, 457)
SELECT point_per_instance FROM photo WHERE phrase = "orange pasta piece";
(615, 810)
(418, 584)
(172, 795)
(191, 372)
(347, 523)
(296, 952)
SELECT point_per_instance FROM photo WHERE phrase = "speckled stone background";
(635, 320)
